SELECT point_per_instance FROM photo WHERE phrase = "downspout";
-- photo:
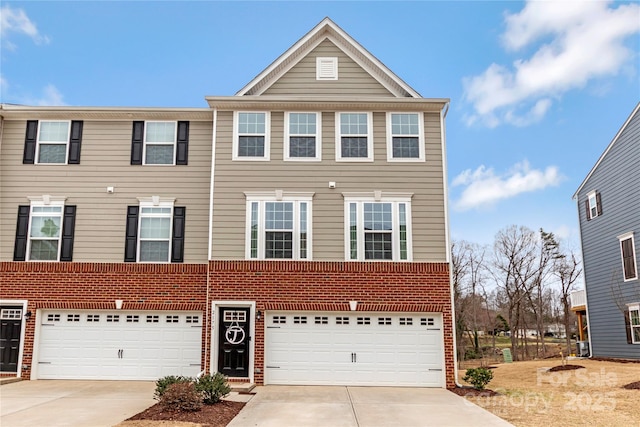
(443, 116)
(207, 340)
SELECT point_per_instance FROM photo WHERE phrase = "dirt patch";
(566, 368)
(632, 386)
(532, 396)
(472, 392)
(218, 415)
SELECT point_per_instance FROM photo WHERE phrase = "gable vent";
(326, 68)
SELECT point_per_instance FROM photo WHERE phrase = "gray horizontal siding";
(352, 79)
(105, 161)
(424, 179)
(617, 178)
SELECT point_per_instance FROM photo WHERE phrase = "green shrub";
(164, 382)
(478, 377)
(213, 387)
(181, 396)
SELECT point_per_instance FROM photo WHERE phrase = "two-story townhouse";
(329, 239)
(315, 231)
(609, 213)
(104, 225)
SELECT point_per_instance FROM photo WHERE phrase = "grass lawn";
(530, 396)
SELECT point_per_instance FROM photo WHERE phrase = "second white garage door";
(118, 345)
(376, 349)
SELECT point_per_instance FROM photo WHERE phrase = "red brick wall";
(300, 285)
(70, 285)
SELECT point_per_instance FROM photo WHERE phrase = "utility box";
(583, 348)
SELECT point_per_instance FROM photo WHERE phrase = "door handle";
(355, 357)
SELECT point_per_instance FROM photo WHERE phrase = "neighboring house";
(609, 211)
(307, 245)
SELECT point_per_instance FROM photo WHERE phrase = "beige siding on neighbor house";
(105, 161)
(352, 79)
(424, 179)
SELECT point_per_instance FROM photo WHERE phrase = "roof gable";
(328, 30)
(635, 112)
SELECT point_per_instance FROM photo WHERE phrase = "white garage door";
(119, 345)
(377, 349)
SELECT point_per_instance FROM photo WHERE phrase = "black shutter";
(586, 206)
(627, 325)
(75, 141)
(137, 138)
(29, 155)
(598, 204)
(68, 227)
(22, 230)
(131, 241)
(177, 240)
(182, 144)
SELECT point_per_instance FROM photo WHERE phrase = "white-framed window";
(251, 135)
(155, 231)
(45, 229)
(628, 253)
(634, 320)
(302, 138)
(594, 205)
(53, 141)
(159, 143)
(279, 225)
(326, 68)
(354, 137)
(405, 137)
(378, 226)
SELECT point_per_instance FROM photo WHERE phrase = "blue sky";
(537, 89)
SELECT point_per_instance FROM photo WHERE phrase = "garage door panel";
(346, 349)
(118, 345)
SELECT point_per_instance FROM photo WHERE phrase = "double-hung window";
(278, 225)
(159, 143)
(378, 227)
(628, 252)
(405, 137)
(354, 137)
(634, 320)
(302, 137)
(45, 230)
(155, 231)
(53, 140)
(251, 136)
(593, 205)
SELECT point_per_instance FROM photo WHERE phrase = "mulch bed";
(472, 392)
(218, 415)
(565, 368)
(632, 386)
(610, 359)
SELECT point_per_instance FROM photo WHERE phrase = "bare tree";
(567, 270)
(459, 271)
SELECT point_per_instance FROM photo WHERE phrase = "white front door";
(126, 345)
(377, 349)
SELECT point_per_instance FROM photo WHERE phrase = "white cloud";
(483, 187)
(50, 95)
(584, 40)
(16, 21)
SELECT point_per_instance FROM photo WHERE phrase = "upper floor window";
(160, 143)
(593, 205)
(378, 227)
(52, 142)
(302, 136)
(354, 137)
(405, 137)
(155, 231)
(45, 230)
(278, 225)
(628, 252)
(251, 136)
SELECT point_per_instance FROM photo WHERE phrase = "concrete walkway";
(55, 403)
(281, 406)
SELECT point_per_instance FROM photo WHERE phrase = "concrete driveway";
(280, 406)
(54, 403)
